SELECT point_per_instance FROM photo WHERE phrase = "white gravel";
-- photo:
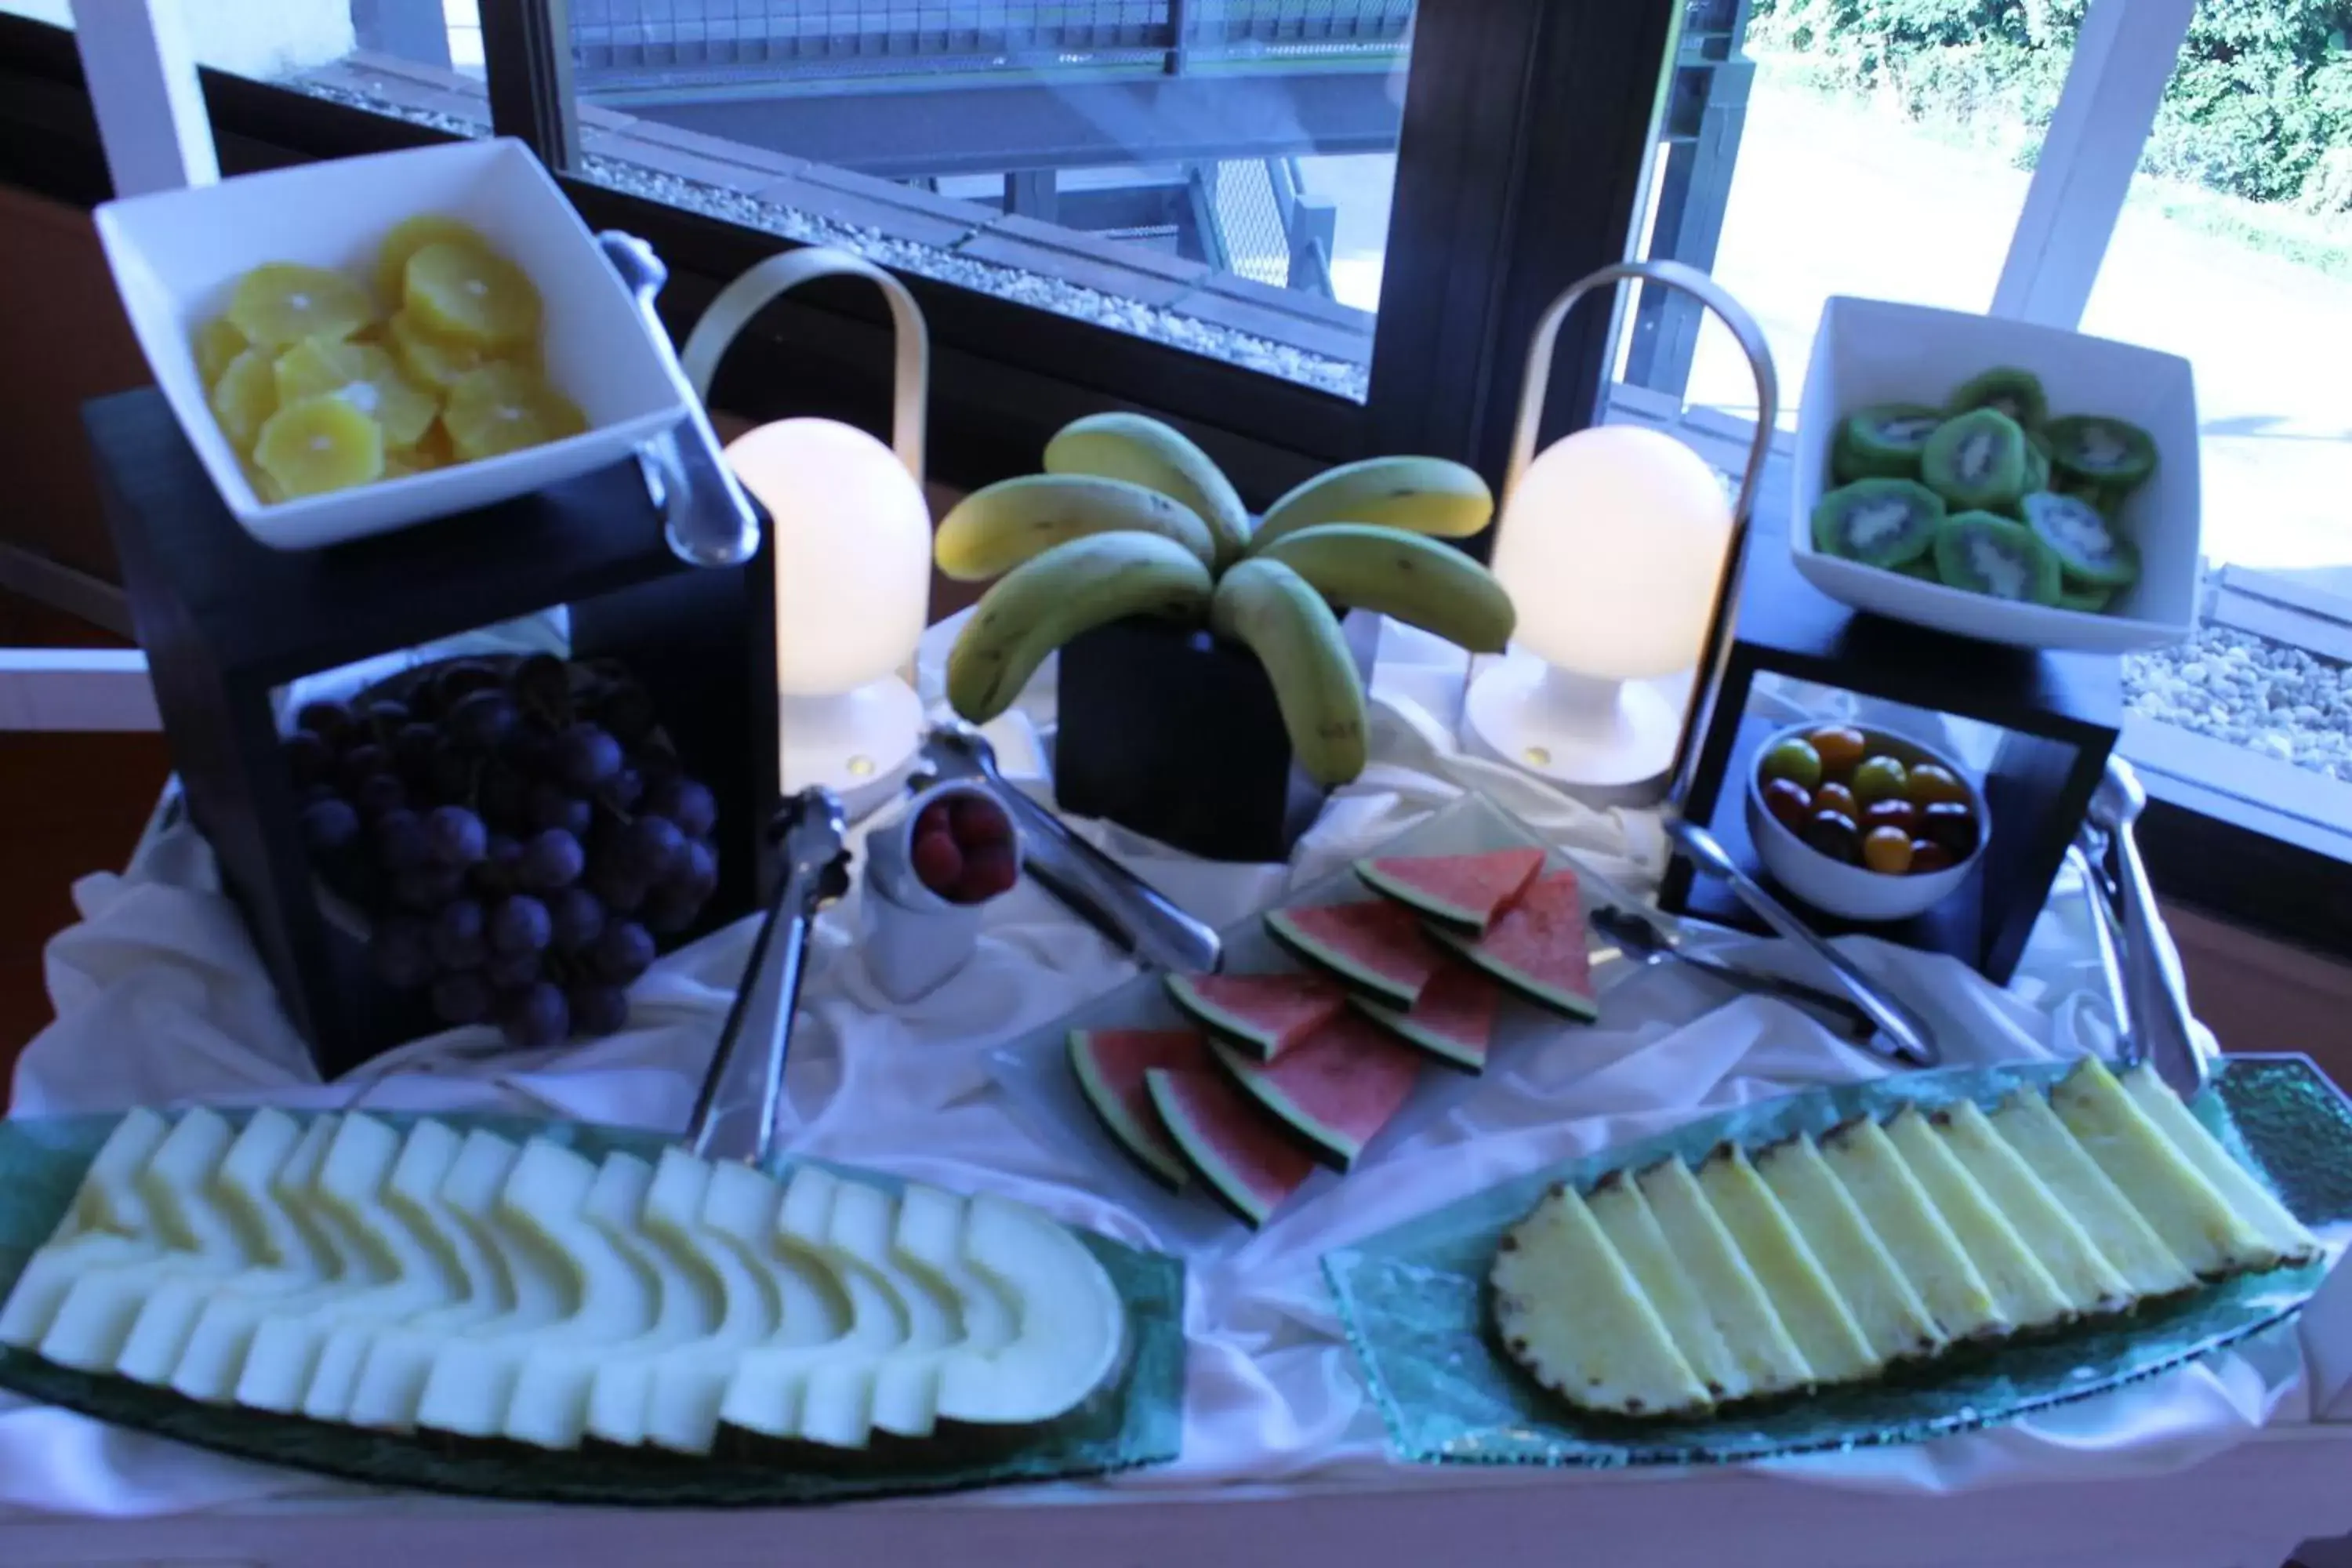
(2276, 700)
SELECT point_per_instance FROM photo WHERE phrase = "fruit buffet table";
(2231, 1461)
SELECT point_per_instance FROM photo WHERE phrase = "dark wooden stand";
(2059, 713)
(227, 622)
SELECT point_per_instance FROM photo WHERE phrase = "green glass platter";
(1413, 1298)
(1138, 1422)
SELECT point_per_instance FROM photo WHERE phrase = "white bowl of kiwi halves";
(1998, 479)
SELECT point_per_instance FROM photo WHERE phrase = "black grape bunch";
(523, 839)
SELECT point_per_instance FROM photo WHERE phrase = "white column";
(2096, 135)
(142, 69)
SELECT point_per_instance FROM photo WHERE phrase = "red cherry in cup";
(979, 821)
(964, 850)
(988, 871)
(939, 862)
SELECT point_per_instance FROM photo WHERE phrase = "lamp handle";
(749, 294)
(1534, 390)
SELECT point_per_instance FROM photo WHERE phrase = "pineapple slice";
(410, 235)
(245, 397)
(1570, 1312)
(504, 408)
(277, 305)
(363, 376)
(466, 293)
(429, 360)
(2028, 1296)
(2175, 1198)
(431, 451)
(1884, 1306)
(2027, 1125)
(1817, 1317)
(2082, 1274)
(1867, 1164)
(1744, 1315)
(317, 445)
(2236, 1184)
(217, 341)
(1626, 1220)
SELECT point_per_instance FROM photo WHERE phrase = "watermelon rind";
(1341, 1147)
(1449, 1051)
(1147, 1145)
(1374, 874)
(1559, 998)
(1217, 1174)
(1224, 1020)
(1282, 925)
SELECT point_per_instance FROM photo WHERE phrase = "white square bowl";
(176, 255)
(1873, 350)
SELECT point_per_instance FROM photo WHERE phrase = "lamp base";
(1608, 743)
(860, 744)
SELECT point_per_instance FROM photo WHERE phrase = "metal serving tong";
(2145, 985)
(1907, 1035)
(735, 1113)
(1096, 889)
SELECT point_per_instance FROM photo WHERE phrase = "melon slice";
(924, 1259)
(1467, 890)
(1376, 945)
(1110, 1065)
(107, 1221)
(1268, 1013)
(1454, 1020)
(837, 1401)
(568, 1203)
(770, 1233)
(1340, 1088)
(1247, 1160)
(1070, 1332)
(1537, 947)
(727, 1227)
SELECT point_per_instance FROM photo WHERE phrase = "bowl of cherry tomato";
(1863, 824)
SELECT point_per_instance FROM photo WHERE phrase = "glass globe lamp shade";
(853, 575)
(1610, 548)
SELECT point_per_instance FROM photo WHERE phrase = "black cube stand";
(2059, 713)
(226, 621)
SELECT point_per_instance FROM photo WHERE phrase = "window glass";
(1213, 173)
(1810, 150)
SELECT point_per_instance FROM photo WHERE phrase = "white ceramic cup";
(913, 938)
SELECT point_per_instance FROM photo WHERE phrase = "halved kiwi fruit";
(2098, 451)
(2091, 551)
(2006, 389)
(1878, 523)
(1883, 441)
(1977, 461)
(1989, 554)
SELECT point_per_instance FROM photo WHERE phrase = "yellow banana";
(1050, 598)
(1144, 451)
(991, 531)
(1280, 616)
(1417, 579)
(1420, 495)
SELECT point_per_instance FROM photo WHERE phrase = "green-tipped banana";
(994, 529)
(1048, 600)
(1417, 579)
(1420, 495)
(1143, 451)
(1280, 616)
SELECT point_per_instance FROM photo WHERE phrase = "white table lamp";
(1621, 553)
(852, 551)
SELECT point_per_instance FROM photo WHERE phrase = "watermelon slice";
(1268, 1013)
(1454, 1019)
(1537, 948)
(1111, 1065)
(1338, 1086)
(1376, 944)
(1245, 1158)
(1466, 889)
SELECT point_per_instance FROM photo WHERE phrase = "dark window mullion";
(526, 58)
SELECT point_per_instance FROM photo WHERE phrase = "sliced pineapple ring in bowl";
(317, 445)
(468, 294)
(279, 304)
(362, 375)
(504, 407)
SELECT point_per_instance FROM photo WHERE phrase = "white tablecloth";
(162, 1001)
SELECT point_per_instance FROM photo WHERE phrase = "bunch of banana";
(1131, 518)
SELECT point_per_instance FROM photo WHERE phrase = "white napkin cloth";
(160, 1000)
